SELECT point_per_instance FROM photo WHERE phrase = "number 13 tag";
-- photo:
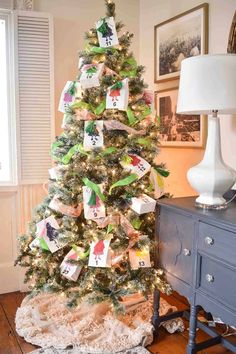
(140, 258)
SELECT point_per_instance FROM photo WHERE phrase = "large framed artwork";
(178, 38)
(178, 129)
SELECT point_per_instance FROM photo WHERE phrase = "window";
(7, 141)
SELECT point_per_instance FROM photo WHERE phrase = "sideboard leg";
(191, 348)
(156, 306)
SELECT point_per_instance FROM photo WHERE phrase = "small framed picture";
(178, 129)
(180, 37)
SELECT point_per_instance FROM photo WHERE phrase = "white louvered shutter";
(6, 4)
(35, 95)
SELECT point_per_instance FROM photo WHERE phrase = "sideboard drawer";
(217, 242)
(218, 280)
(176, 234)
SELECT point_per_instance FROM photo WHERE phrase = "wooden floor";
(11, 343)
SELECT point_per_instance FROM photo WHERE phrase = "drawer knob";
(209, 241)
(210, 278)
(186, 252)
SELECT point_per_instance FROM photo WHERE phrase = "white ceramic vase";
(211, 178)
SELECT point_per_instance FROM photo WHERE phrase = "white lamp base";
(212, 178)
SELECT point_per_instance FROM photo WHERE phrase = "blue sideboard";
(197, 250)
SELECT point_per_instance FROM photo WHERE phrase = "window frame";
(7, 16)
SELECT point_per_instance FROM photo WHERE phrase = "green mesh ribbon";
(108, 151)
(81, 105)
(124, 182)
(128, 73)
(100, 108)
(81, 255)
(136, 223)
(54, 146)
(43, 244)
(144, 141)
(131, 117)
(66, 159)
(132, 72)
(110, 228)
(162, 171)
(117, 86)
(126, 160)
(103, 28)
(94, 188)
(91, 127)
(72, 88)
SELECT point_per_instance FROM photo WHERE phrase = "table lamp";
(208, 86)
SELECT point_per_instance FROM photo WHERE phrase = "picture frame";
(180, 37)
(178, 130)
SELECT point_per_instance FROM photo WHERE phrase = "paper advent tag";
(90, 75)
(118, 95)
(136, 164)
(35, 244)
(158, 183)
(47, 229)
(81, 62)
(94, 207)
(140, 258)
(68, 95)
(54, 172)
(99, 255)
(69, 270)
(93, 135)
(143, 204)
(106, 31)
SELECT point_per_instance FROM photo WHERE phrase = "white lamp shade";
(207, 83)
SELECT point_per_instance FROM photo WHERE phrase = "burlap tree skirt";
(45, 321)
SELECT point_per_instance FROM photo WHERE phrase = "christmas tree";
(93, 237)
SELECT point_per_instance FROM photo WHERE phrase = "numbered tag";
(106, 31)
(136, 164)
(143, 204)
(93, 135)
(68, 95)
(35, 244)
(140, 258)
(90, 75)
(99, 255)
(48, 230)
(118, 96)
(94, 208)
(69, 270)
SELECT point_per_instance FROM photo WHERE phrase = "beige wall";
(152, 12)
(71, 19)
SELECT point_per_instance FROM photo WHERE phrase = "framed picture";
(178, 38)
(178, 129)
